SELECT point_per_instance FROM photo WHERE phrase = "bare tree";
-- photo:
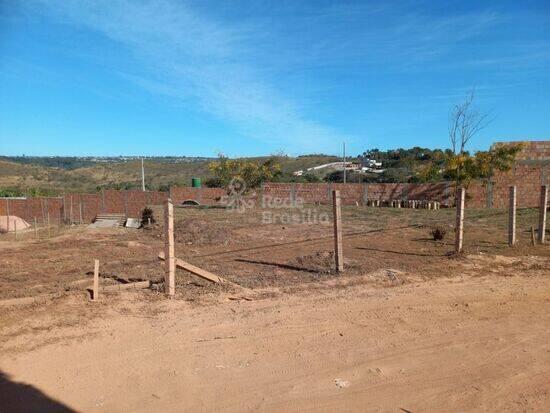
(464, 123)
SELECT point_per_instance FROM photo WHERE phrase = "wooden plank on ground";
(129, 286)
(196, 270)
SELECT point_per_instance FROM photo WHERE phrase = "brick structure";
(527, 175)
(76, 208)
(532, 150)
(204, 196)
(31, 208)
(531, 170)
(359, 193)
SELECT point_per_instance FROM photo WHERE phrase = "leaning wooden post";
(512, 217)
(169, 252)
(95, 291)
(337, 214)
(542, 212)
(459, 228)
(35, 228)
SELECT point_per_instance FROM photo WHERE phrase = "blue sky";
(260, 77)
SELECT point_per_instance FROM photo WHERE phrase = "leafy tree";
(251, 172)
(464, 168)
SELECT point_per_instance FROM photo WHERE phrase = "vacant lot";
(408, 326)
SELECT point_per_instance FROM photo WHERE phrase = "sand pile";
(11, 222)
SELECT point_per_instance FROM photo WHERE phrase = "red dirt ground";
(407, 326)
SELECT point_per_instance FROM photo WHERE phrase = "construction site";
(274, 206)
(303, 295)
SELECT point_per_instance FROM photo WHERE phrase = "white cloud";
(187, 56)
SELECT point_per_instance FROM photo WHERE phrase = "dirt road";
(454, 344)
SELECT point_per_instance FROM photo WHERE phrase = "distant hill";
(54, 175)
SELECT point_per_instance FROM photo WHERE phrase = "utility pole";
(344, 163)
(142, 176)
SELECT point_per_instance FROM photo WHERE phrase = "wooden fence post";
(14, 229)
(35, 229)
(459, 227)
(48, 223)
(337, 218)
(512, 217)
(169, 253)
(542, 212)
(95, 292)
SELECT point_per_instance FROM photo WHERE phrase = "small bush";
(438, 233)
(147, 216)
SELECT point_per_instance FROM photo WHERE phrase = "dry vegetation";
(241, 248)
(124, 174)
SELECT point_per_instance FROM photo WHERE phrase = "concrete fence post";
(459, 227)
(542, 213)
(337, 218)
(169, 250)
(512, 217)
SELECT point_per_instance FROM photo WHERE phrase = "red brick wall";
(532, 150)
(352, 193)
(31, 208)
(527, 177)
(130, 203)
(204, 196)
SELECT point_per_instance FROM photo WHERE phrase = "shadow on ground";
(20, 397)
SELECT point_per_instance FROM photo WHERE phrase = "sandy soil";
(460, 344)
(406, 328)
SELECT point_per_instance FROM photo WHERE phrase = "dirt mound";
(11, 222)
(321, 262)
(200, 232)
